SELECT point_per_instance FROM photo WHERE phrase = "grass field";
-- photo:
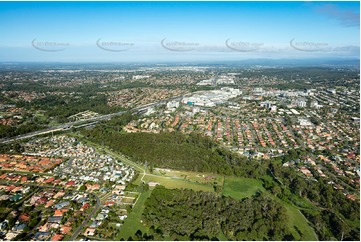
(132, 223)
(298, 224)
(204, 178)
(239, 188)
(178, 183)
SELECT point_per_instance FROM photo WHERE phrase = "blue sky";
(179, 31)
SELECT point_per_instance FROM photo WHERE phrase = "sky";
(177, 31)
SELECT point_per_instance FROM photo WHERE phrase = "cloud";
(347, 18)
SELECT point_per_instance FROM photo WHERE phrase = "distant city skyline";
(177, 31)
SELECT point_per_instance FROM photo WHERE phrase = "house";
(351, 197)
(10, 188)
(49, 180)
(65, 229)
(118, 189)
(62, 204)
(101, 216)
(95, 224)
(43, 228)
(4, 197)
(50, 203)
(55, 219)
(109, 203)
(85, 206)
(10, 235)
(57, 237)
(82, 200)
(92, 187)
(16, 197)
(23, 179)
(16, 189)
(351, 156)
(306, 171)
(70, 183)
(59, 194)
(25, 190)
(41, 200)
(24, 217)
(58, 213)
(19, 227)
(89, 232)
(41, 236)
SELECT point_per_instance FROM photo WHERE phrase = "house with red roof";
(57, 237)
(58, 212)
(49, 180)
(23, 179)
(10, 188)
(50, 203)
(70, 183)
(3, 176)
(41, 200)
(24, 217)
(85, 206)
(109, 203)
(65, 229)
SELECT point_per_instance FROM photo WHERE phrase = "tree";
(82, 188)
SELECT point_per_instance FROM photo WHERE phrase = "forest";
(174, 150)
(190, 215)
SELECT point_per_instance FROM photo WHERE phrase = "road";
(69, 125)
(85, 222)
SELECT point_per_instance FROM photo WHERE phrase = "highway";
(69, 125)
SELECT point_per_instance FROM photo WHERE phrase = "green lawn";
(239, 188)
(132, 223)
